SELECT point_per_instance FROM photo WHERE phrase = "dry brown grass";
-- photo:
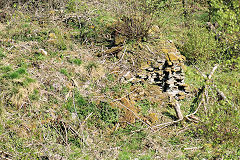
(47, 125)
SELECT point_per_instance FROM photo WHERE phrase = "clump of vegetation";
(64, 104)
(76, 61)
(83, 108)
(200, 45)
(135, 21)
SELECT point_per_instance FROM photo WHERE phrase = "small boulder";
(43, 52)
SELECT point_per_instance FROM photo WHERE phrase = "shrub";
(220, 129)
(101, 112)
(134, 27)
(226, 14)
(200, 45)
(32, 5)
(135, 20)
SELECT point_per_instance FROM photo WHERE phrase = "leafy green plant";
(76, 61)
(102, 112)
(145, 106)
(2, 55)
(226, 14)
(5, 69)
(65, 72)
(125, 155)
(34, 95)
(72, 5)
(220, 128)
(90, 66)
(15, 74)
(111, 77)
(200, 45)
(27, 81)
(61, 45)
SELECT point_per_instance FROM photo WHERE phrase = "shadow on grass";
(173, 117)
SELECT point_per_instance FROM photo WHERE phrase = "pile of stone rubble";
(167, 72)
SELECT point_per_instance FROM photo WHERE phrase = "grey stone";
(170, 81)
(150, 69)
(161, 60)
(143, 76)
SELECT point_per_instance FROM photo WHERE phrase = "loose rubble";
(165, 70)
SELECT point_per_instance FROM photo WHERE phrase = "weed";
(2, 54)
(6, 69)
(111, 77)
(145, 106)
(103, 111)
(124, 155)
(200, 45)
(61, 45)
(72, 6)
(76, 61)
(108, 114)
(28, 80)
(35, 95)
(65, 72)
(16, 74)
(90, 66)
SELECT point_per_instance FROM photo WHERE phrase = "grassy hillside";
(61, 86)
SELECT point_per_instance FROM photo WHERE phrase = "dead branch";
(199, 71)
(220, 93)
(149, 50)
(178, 110)
(212, 72)
(87, 118)
(75, 108)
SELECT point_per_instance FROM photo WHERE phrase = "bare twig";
(149, 50)
(87, 118)
(178, 110)
(75, 108)
(199, 71)
(65, 128)
(212, 72)
(220, 93)
(59, 134)
(124, 52)
(192, 148)
(74, 131)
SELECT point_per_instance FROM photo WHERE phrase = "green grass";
(83, 108)
(76, 61)
(77, 120)
(5, 69)
(34, 95)
(2, 54)
(20, 72)
(65, 72)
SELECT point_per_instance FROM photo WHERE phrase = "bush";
(226, 14)
(135, 20)
(134, 27)
(220, 129)
(103, 114)
(32, 5)
(200, 45)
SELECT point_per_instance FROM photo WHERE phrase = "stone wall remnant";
(166, 70)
